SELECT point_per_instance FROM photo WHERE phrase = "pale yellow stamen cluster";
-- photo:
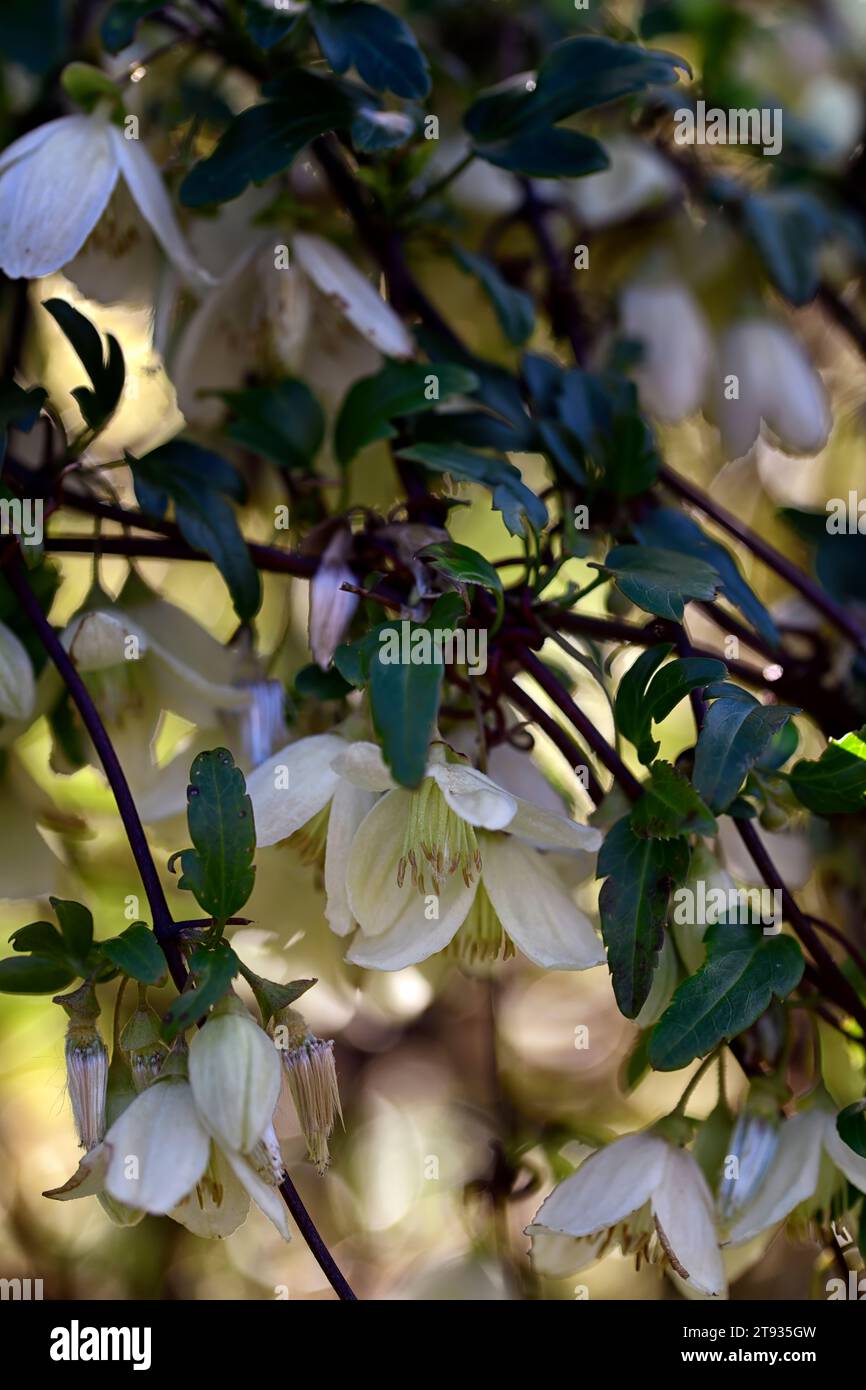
(481, 938)
(438, 836)
(311, 840)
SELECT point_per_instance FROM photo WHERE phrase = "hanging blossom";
(454, 864)
(644, 1193)
(56, 183)
(197, 1149)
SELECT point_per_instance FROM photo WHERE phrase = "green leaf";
(633, 904)
(735, 733)
(195, 480)
(517, 503)
(19, 408)
(742, 971)
(122, 20)
(34, 975)
(851, 1127)
(264, 140)
(272, 997)
(312, 683)
(660, 581)
(670, 806)
(514, 309)
(41, 937)
(404, 703)
(212, 969)
(377, 43)
(835, 783)
(76, 924)
(266, 26)
(462, 564)
(788, 227)
(638, 705)
(105, 369)
(283, 423)
(398, 389)
(550, 153)
(137, 953)
(219, 869)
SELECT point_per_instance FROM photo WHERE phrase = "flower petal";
(557, 1256)
(88, 1180)
(53, 196)
(151, 196)
(349, 806)
(293, 786)
(792, 1178)
(337, 277)
(362, 764)
(214, 1210)
(683, 1208)
(535, 908)
(474, 796)
(159, 1149)
(608, 1186)
(266, 1198)
(547, 830)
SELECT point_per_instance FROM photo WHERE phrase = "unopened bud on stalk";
(143, 1046)
(753, 1143)
(308, 1062)
(235, 1076)
(86, 1064)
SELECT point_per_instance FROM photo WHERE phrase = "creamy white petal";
(293, 786)
(266, 1198)
(847, 1160)
(548, 830)
(337, 277)
(349, 806)
(558, 1256)
(362, 764)
(53, 197)
(159, 1149)
(214, 1211)
(17, 682)
(607, 1187)
(97, 640)
(411, 937)
(151, 196)
(535, 908)
(683, 1207)
(234, 1072)
(792, 1178)
(474, 796)
(88, 1180)
(28, 144)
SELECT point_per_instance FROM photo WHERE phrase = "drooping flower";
(638, 178)
(55, 184)
(644, 1194)
(86, 1064)
(455, 864)
(677, 347)
(308, 1063)
(807, 1178)
(764, 374)
(234, 1073)
(331, 606)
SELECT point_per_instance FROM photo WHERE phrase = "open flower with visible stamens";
(455, 865)
(645, 1194)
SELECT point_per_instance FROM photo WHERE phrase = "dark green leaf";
(461, 563)
(742, 971)
(514, 308)
(266, 25)
(312, 683)
(396, 390)
(105, 368)
(670, 806)
(213, 969)
(33, 975)
(551, 153)
(735, 733)
(283, 423)
(638, 704)
(41, 937)
(272, 997)
(511, 496)
(835, 783)
(377, 43)
(788, 226)
(404, 703)
(660, 581)
(219, 869)
(264, 140)
(851, 1127)
(76, 924)
(633, 904)
(122, 20)
(137, 953)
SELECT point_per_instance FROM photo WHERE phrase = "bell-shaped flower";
(808, 1176)
(317, 315)
(159, 1157)
(331, 606)
(234, 1072)
(455, 864)
(764, 374)
(637, 179)
(644, 1194)
(677, 348)
(55, 184)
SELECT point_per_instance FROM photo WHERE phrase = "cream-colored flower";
(644, 1194)
(677, 347)
(234, 1072)
(456, 864)
(764, 375)
(638, 178)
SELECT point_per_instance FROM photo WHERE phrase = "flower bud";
(86, 1065)
(308, 1062)
(752, 1147)
(143, 1046)
(331, 606)
(235, 1076)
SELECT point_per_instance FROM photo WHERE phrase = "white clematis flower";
(810, 1165)
(776, 384)
(644, 1194)
(667, 321)
(55, 184)
(638, 178)
(159, 1157)
(455, 864)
